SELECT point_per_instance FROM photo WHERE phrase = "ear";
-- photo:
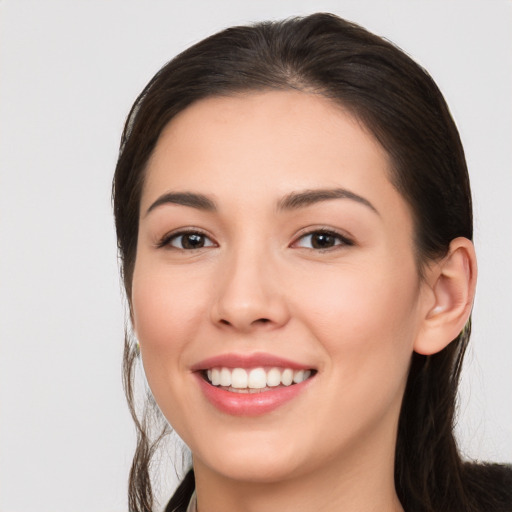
(451, 284)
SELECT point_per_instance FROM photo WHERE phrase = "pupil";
(193, 241)
(322, 241)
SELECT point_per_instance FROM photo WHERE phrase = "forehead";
(272, 119)
(267, 144)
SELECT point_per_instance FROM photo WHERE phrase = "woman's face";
(272, 246)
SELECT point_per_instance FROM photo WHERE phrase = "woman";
(294, 221)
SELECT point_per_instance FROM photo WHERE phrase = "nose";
(249, 294)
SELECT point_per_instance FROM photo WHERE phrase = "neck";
(362, 481)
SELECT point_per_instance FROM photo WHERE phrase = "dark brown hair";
(401, 105)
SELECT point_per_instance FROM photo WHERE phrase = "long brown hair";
(402, 106)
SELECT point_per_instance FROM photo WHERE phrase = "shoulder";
(489, 485)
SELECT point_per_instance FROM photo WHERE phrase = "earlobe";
(452, 282)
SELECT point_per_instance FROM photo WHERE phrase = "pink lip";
(249, 404)
(247, 361)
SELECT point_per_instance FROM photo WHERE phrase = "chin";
(250, 460)
(256, 469)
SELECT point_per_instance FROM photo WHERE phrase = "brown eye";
(190, 241)
(322, 240)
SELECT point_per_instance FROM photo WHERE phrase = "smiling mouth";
(254, 380)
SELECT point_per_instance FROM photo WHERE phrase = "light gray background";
(69, 73)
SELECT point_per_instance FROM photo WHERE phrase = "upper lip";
(248, 361)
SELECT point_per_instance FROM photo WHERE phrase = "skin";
(354, 312)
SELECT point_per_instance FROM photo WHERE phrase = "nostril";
(259, 321)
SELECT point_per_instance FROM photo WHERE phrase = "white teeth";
(256, 378)
(274, 377)
(287, 377)
(225, 377)
(215, 376)
(298, 376)
(239, 378)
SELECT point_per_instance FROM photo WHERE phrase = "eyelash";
(167, 240)
(339, 240)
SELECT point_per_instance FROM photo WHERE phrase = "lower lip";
(250, 404)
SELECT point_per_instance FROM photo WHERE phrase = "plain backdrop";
(69, 72)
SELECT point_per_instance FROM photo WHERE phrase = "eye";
(188, 240)
(322, 240)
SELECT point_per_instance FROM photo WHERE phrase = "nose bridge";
(248, 293)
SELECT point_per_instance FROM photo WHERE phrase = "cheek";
(167, 310)
(362, 315)
(366, 323)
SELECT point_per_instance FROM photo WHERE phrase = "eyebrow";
(191, 199)
(297, 200)
(292, 201)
